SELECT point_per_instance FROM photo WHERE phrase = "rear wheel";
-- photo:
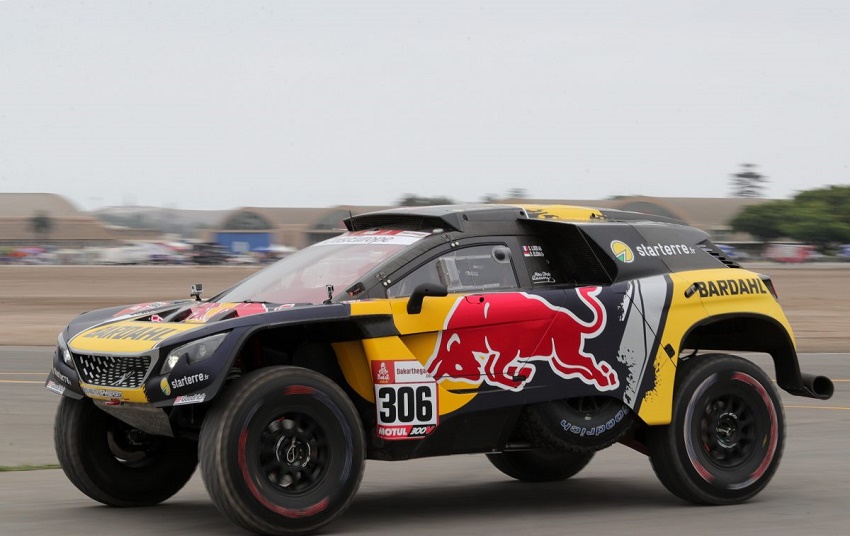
(283, 451)
(539, 465)
(583, 424)
(727, 434)
(116, 464)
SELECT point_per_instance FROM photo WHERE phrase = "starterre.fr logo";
(622, 251)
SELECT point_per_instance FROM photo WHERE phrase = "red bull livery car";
(535, 335)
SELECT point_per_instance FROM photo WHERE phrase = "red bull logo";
(497, 338)
(206, 311)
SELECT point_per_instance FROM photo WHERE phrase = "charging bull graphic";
(495, 339)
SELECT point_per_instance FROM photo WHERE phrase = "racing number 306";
(406, 404)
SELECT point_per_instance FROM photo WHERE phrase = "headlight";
(63, 350)
(193, 352)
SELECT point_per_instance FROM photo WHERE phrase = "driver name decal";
(396, 238)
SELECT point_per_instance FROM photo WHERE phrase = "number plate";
(405, 400)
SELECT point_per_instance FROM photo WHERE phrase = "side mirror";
(414, 304)
(195, 291)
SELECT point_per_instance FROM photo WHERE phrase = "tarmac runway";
(616, 494)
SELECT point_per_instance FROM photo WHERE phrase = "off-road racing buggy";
(536, 335)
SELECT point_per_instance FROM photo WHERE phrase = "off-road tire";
(727, 434)
(578, 425)
(282, 452)
(97, 455)
(540, 465)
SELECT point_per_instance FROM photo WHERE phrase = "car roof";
(460, 217)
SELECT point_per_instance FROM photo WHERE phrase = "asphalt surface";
(616, 493)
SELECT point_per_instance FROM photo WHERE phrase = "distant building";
(256, 228)
(67, 227)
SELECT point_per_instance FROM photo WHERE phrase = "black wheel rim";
(590, 405)
(293, 454)
(131, 447)
(732, 431)
(729, 430)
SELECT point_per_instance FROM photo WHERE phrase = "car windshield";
(303, 276)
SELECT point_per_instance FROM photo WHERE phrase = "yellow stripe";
(21, 381)
(126, 395)
(833, 381)
(819, 407)
(562, 212)
(127, 337)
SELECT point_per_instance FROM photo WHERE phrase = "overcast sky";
(216, 105)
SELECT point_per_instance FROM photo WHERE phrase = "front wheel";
(727, 434)
(540, 465)
(116, 464)
(283, 451)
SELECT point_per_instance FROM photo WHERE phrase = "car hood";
(141, 327)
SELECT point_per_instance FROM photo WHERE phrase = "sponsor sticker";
(189, 380)
(542, 277)
(532, 251)
(622, 251)
(163, 385)
(405, 400)
(508, 358)
(382, 375)
(204, 312)
(140, 308)
(386, 237)
(61, 377)
(664, 250)
(55, 387)
(190, 399)
(136, 333)
(102, 393)
(730, 287)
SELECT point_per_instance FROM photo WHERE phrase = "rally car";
(536, 335)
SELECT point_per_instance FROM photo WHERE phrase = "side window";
(541, 265)
(468, 269)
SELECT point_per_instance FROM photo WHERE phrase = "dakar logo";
(622, 251)
(496, 339)
(383, 373)
(163, 385)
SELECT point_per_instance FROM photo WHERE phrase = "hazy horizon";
(212, 105)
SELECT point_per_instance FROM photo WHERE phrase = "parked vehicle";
(789, 252)
(733, 252)
(140, 253)
(209, 253)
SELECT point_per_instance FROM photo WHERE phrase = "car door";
(604, 335)
(451, 335)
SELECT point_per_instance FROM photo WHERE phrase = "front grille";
(110, 371)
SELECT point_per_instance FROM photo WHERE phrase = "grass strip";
(6, 468)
